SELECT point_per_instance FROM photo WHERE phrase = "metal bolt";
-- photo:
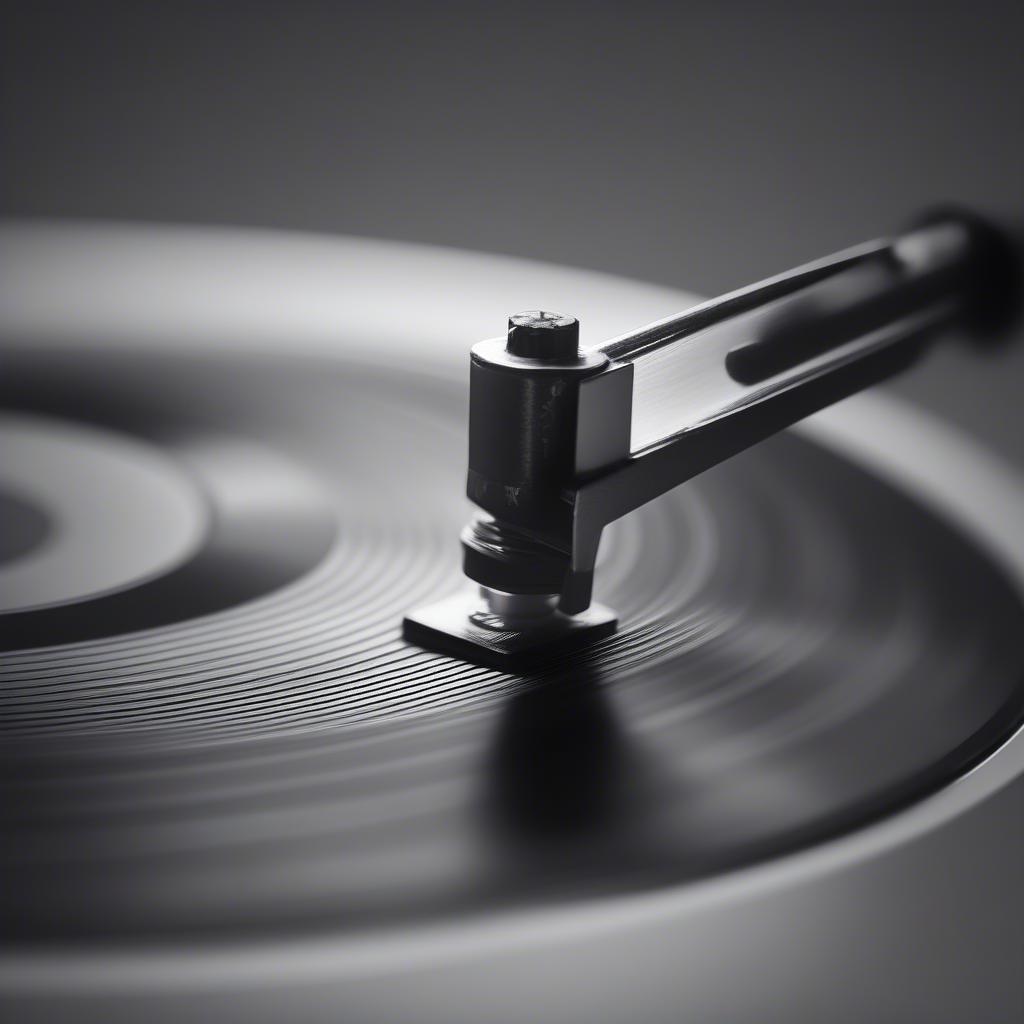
(537, 334)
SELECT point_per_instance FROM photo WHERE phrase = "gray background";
(700, 145)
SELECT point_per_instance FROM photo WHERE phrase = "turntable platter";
(234, 744)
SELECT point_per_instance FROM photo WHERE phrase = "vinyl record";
(214, 735)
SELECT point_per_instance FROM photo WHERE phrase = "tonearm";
(564, 440)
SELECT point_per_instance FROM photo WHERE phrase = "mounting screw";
(536, 334)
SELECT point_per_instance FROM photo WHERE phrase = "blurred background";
(700, 145)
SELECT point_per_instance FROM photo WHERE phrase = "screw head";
(537, 334)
